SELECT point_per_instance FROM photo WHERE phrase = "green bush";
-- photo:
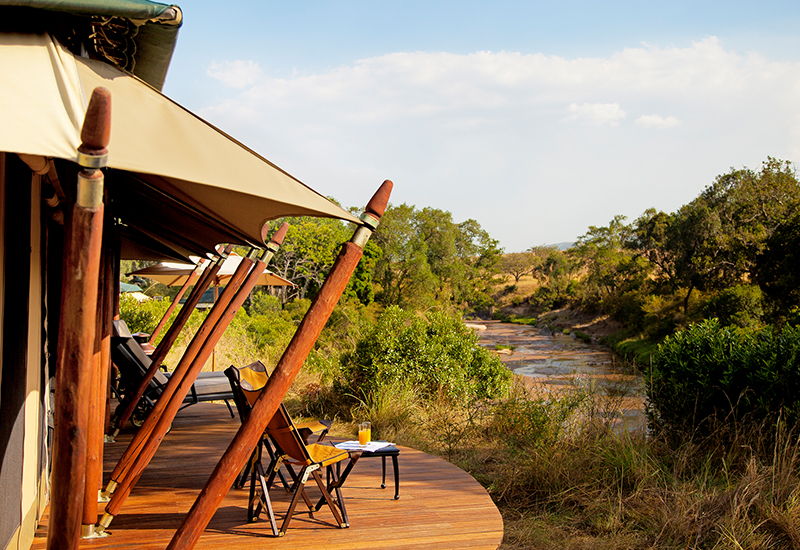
(142, 316)
(740, 306)
(436, 355)
(709, 376)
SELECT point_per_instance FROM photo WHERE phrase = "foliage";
(739, 305)
(361, 284)
(142, 316)
(555, 271)
(611, 268)
(712, 243)
(308, 252)
(435, 354)
(523, 422)
(517, 264)
(778, 268)
(709, 375)
(427, 258)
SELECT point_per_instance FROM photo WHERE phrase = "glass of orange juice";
(364, 433)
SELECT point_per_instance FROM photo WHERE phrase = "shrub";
(709, 375)
(739, 306)
(435, 355)
(144, 316)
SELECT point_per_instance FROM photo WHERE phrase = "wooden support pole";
(112, 305)
(76, 338)
(289, 365)
(193, 276)
(229, 306)
(109, 260)
(131, 401)
(97, 397)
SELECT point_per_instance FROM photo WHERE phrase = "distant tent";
(127, 287)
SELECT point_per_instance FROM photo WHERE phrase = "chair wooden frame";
(311, 459)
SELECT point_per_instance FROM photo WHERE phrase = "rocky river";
(554, 363)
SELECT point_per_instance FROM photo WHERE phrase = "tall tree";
(713, 242)
(308, 253)
(517, 264)
(428, 258)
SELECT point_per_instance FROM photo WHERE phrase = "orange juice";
(364, 436)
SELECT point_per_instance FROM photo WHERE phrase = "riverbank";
(553, 364)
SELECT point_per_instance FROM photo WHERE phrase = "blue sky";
(536, 119)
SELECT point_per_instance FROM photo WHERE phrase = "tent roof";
(176, 274)
(175, 177)
(138, 36)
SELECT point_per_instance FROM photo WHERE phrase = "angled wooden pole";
(193, 276)
(189, 355)
(131, 401)
(281, 378)
(76, 336)
(229, 305)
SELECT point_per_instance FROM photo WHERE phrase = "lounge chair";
(133, 363)
(291, 448)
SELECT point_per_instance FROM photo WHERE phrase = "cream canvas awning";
(175, 177)
(176, 274)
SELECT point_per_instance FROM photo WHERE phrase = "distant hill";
(562, 246)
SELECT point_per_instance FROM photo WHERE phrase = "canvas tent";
(174, 274)
(181, 181)
(175, 186)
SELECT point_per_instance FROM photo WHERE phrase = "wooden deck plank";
(440, 506)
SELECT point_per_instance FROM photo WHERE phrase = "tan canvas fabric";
(202, 173)
(172, 274)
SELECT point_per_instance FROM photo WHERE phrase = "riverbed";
(554, 363)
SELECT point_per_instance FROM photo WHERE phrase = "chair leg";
(296, 479)
(337, 483)
(262, 499)
(299, 487)
(329, 499)
(273, 462)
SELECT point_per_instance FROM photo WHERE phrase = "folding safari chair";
(292, 449)
(311, 459)
(246, 384)
(133, 363)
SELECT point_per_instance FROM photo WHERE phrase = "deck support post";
(131, 401)
(291, 362)
(198, 352)
(76, 338)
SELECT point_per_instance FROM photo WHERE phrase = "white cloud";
(447, 127)
(657, 121)
(235, 74)
(596, 114)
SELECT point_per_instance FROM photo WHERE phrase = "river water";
(556, 363)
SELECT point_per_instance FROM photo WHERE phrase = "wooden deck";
(440, 506)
